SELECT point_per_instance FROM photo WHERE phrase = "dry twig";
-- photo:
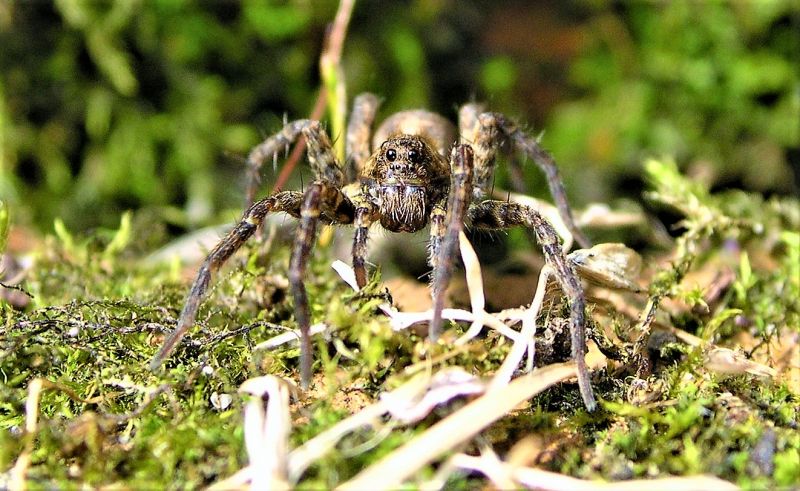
(456, 429)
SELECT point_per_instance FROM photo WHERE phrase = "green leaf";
(713, 325)
(499, 75)
(63, 235)
(787, 467)
(275, 22)
(121, 238)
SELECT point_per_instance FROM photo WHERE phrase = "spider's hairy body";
(405, 186)
(435, 129)
(412, 174)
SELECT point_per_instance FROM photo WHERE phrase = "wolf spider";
(404, 182)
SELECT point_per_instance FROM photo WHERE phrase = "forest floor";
(695, 363)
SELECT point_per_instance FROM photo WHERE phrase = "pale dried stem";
(538, 479)
(19, 472)
(267, 426)
(456, 429)
(404, 320)
(333, 78)
(302, 457)
(526, 341)
(477, 300)
(333, 91)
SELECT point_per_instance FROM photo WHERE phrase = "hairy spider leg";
(438, 231)
(365, 214)
(322, 162)
(320, 154)
(530, 147)
(493, 214)
(483, 131)
(359, 134)
(320, 197)
(358, 147)
(269, 149)
(461, 168)
(484, 140)
(323, 199)
(287, 201)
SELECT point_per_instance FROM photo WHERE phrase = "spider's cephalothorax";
(405, 179)
(404, 176)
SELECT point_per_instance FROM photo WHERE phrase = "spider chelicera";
(404, 179)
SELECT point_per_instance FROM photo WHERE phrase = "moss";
(100, 312)
(105, 110)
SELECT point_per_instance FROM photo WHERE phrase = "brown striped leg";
(269, 149)
(319, 198)
(288, 202)
(363, 219)
(483, 136)
(359, 133)
(502, 214)
(461, 161)
(320, 155)
(530, 147)
(304, 239)
(468, 124)
(324, 197)
(438, 219)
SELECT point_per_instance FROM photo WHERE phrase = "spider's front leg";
(320, 197)
(288, 201)
(365, 211)
(323, 199)
(503, 214)
(530, 147)
(272, 146)
(445, 227)
(358, 149)
(484, 139)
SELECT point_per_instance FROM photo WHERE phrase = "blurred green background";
(152, 105)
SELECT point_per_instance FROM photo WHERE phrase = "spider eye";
(391, 155)
(414, 156)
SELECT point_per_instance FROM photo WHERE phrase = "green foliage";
(101, 313)
(111, 106)
(499, 75)
(102, 316)
(698, 435)
(737, 219)
(711, 83)
(787, 472)
(276, 22)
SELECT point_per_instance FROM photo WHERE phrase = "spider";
(405, 180)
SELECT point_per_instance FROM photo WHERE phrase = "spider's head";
(408, 175)
(406, 160)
